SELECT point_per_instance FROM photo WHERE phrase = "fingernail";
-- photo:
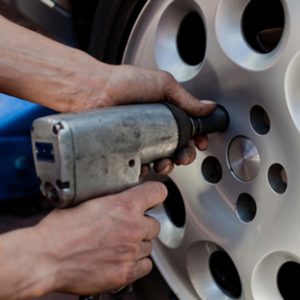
(187, 161)
(182, 159)
(208, 102)
(166, 170)
(144, 171)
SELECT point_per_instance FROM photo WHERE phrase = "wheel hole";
(288, 281)
(212, 170)
(225, 274)
(174, 205)
(246, 208)
(191, 39)
(260, 120)
(278, 178)
(263, 24)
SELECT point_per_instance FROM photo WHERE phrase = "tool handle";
(217, 121)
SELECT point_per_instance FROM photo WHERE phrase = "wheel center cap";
(243, 159)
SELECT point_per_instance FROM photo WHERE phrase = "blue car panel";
(17, 175)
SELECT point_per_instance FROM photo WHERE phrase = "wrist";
(41, 70)
(46, 269)
(78, 83)
(27, 270)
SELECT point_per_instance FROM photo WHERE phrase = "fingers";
(163, 166)
(178, 96)
(143, 268)
(132, 271)
(145, 249)
(148, 195)
(152, 228)
(186, 155)
(201, 142)
(183, 157)
(145, 170)
(169, 89)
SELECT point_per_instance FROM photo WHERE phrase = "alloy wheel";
(230, 223)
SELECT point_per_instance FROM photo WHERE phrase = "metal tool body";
(85, 155)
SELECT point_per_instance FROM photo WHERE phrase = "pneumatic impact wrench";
(86, 155)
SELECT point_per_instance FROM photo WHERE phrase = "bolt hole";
(288, 281)
(225, 274)
(246, 208)
(260, 120)
(174, 205)
(131, 163)
(263, 24)
(191, 39)
(212, 170)
(278, 178)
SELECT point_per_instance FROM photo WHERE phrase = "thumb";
(154, 86)
(173, 92)
(178, 96)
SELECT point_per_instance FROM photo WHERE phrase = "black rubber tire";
(112, 25)
(113, 22)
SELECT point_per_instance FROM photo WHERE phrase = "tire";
(229, 228)
(113, 23)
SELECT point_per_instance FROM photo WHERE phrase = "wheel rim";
(244, 207)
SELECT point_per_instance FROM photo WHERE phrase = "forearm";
(26, 270)
(41, 70)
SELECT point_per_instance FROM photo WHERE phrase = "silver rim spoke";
(241, 196)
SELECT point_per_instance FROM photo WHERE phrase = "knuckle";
(164, 166)
(168, 78)
(148, 266)
(128, 274)
(136, 234)
(152, 192)
(155, 228)
(127, 202)
(128, 207)
(160, 189)
(128, 251)
(132, 231)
